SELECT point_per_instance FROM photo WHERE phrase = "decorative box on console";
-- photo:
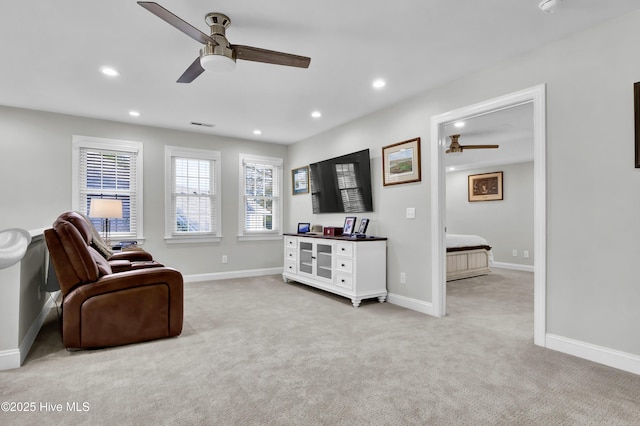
(332, 231)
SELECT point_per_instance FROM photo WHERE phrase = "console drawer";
(344, 281)
(290, 254)
(290, 242)
(344, 264)
(290, 267)
(345, 249)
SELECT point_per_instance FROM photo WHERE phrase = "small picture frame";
(304, 227)
(300, 180)
(401, 162)
(349, 224)
(485, 187)
(364, 223)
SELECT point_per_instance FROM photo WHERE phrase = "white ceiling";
(51, 52)
(511, 129)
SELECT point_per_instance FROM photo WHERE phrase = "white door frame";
(536, 96)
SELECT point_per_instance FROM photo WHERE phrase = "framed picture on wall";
(485, 187)
(300, 180)
(401, 162)
(636, 110)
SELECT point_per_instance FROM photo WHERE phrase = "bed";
(467, 256)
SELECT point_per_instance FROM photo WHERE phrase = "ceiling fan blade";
(194, 70)
(256, 54)
(479, 146)
(177, 22)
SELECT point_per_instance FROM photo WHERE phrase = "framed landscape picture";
(485, 187)
(401, 162)
(300, 180)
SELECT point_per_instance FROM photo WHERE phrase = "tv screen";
(342, 184)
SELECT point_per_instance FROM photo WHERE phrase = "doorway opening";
(535, 96)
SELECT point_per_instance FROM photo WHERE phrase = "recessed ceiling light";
(108, 71)
(316, 114)
(134, 113)
(459, 124)
(379, 83)
(257, 132)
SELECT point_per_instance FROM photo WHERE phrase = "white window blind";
(261, 180)
(193, 197)
(112, 173)
(193, 186)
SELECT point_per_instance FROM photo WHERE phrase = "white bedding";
(459, 240)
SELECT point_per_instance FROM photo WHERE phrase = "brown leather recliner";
(101, 308)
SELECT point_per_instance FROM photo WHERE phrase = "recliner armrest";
(132, 255)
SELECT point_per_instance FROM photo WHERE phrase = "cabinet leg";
(381, 299)
(285, 279)
(356, 302)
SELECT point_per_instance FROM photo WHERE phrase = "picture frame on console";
(401, 162)
(364, 223)
(349, 224)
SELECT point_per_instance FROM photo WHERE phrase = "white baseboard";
(513, 266)
(9, 359)
(13, 358)
(194, 278)
(600, 354)
(409, 303)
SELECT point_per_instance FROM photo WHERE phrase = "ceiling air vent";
(195, 123)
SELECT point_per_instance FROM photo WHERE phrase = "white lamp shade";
(218, 63)
(105, 208)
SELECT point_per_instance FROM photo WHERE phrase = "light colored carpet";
(258, 351)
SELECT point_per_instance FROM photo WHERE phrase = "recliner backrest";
(72, 258)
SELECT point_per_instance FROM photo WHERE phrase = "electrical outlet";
(525, 254)
(514, 253)
(224, 258)
(403, 278)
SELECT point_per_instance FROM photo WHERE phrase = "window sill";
(193, 239)
(260, 237)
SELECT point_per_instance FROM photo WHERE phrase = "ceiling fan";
(217, 53)
(456, 147)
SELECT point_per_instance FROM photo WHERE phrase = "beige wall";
(36, 160)
(506, 224)
(592, 186)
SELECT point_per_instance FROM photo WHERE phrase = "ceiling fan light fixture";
(217, 63)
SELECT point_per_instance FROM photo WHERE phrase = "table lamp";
(106, 209)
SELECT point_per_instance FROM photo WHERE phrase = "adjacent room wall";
(506, 224)
(35, 168)
(592, 226)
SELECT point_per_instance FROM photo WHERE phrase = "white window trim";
(78, 141)
(259, 235)
(201, 154)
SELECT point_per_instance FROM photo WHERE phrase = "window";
(112, 169)
(261, 200)
(192, 182)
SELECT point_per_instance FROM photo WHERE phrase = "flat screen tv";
(342, 184)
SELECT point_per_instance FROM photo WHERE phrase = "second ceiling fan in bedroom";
(456, 147)
(217, 53)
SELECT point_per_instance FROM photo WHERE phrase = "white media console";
(351, 267)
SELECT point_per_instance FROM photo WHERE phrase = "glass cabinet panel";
(305, 258)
